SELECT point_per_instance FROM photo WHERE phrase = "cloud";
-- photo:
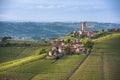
(7, 16)
(58, 9)
(49, 6)
(1, 15)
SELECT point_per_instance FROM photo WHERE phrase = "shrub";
(40, 51)
(87, 43)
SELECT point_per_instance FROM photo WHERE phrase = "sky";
(60, 10)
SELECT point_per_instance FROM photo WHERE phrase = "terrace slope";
(103, 63)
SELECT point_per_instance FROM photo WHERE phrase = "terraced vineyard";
(11, 53)
(101, 64)
(45, 69)
(104, 63)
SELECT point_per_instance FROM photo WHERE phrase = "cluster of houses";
(114, 29)
(59, 48)
(84, 31)
(87, 33)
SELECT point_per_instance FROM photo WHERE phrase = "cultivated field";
(44, 69)
(102, 64)
(11, 53)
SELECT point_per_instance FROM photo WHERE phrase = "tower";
(83, 26)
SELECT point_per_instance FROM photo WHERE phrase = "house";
(90, 33)
(114, 29)
(61, 51)
(50, 53)
(81, 50)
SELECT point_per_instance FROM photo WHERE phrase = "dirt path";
(77, 68)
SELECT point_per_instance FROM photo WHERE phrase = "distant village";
(60, 47)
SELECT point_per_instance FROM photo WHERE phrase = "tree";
(68, 41)
(87, 43)
(67, 50)
(101, 31)
(5, 39)
(40, 51)
(109, 30)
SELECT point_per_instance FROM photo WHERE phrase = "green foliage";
(98, 35)
(5, 39)
(68, 40)
(67, 50)
(40, 51)
(87, 43)
(109, 30)
(101, 31)
(23, 43)
(83, 36)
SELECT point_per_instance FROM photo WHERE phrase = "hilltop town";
(75, 44)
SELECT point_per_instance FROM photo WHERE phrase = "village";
(61, 47)
(74, 44)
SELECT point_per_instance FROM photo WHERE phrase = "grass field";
(104, 63)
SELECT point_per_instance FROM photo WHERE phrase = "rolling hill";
(101, 64)
(37, 30)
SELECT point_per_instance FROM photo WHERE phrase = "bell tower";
(83, 26)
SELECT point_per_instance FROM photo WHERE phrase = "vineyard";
(103, 63)
(21, 63)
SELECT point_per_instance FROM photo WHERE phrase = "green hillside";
(102, 64)
(19, 50)
(11, 53)
(44, 69)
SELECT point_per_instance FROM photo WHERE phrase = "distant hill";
(42, 30)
